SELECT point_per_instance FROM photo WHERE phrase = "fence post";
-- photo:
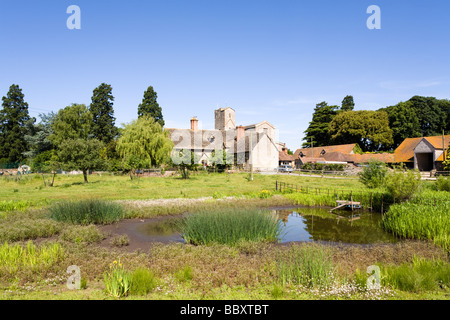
(276, 185)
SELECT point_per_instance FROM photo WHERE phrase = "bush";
(143, 282)
(82, 234)
(443, 183)
(374, 174)
(120, 240)
(86, 212)
(403, 186)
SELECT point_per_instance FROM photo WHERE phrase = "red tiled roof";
(405, 151)
(316, 151)
(283, 156)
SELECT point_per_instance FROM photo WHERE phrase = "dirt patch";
(138, 240)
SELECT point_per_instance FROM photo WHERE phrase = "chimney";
(240, 132)
(285, 150)
(194, 124)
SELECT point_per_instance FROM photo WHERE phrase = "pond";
(298, 224)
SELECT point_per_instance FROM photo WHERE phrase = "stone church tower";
(225, 119)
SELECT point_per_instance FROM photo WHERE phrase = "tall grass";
(420, 221)
(307, 265)
(420, 275)
(230, 227)
(86, 212)
(15, 257)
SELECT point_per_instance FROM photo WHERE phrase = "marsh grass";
(82, 234)
(230, 227)
(143, 281)
(85, 212)
(16, 257)
(21, 226)
(420, 275)
(306, 265)
(420, 221)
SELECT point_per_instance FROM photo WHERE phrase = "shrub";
(230, 226)
(374, 174)
(143, 282)
(120, 240)
(26, 228)
(82, 234)
(86, 212)
(403, 186)
(443, 183)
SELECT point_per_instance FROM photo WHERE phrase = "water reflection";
(318, 224)
(300, 224)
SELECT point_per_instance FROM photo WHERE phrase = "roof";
(405, 151)
(366, 157)
(212, 139)
(283, 156)
(316, 151)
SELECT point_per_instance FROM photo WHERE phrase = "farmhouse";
(253, 144)
(423, 153)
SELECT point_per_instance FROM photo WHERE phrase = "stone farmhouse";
(244, 146)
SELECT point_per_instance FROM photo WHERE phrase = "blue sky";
(269, 60)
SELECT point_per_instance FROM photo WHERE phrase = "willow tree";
(143, 143)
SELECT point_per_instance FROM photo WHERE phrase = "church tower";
(225, 119)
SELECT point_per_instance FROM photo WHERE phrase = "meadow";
(41, 239)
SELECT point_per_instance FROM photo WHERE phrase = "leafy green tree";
(150, 106)
(13, 125)
(370, 129)
(403, 121)
(317, 130)
(188, 161)
(38, 135)
(432, 114)
(348, 104)
(143, 143)
(403, 186)
(72, 122)
(374, 174)
(446, 161)
(101, 108)
(81, 154)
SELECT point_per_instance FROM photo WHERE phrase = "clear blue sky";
(269, 60)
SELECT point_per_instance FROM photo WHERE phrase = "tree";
(72, 122)
(81, 154)
(431, 113)
(38, 135)
(150, 106)
(348, 104)
(370, 129)
(101, 108)
(403, 121)
(13, 119)
(318, 127)
(374, 174)
(143, 143)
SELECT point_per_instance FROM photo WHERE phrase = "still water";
(299, 224)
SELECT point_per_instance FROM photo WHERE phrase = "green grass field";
(246, 270)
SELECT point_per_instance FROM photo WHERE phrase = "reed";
(420, 221)
(85, 212)
(307, 265)
(17, 257)
(230, 227)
